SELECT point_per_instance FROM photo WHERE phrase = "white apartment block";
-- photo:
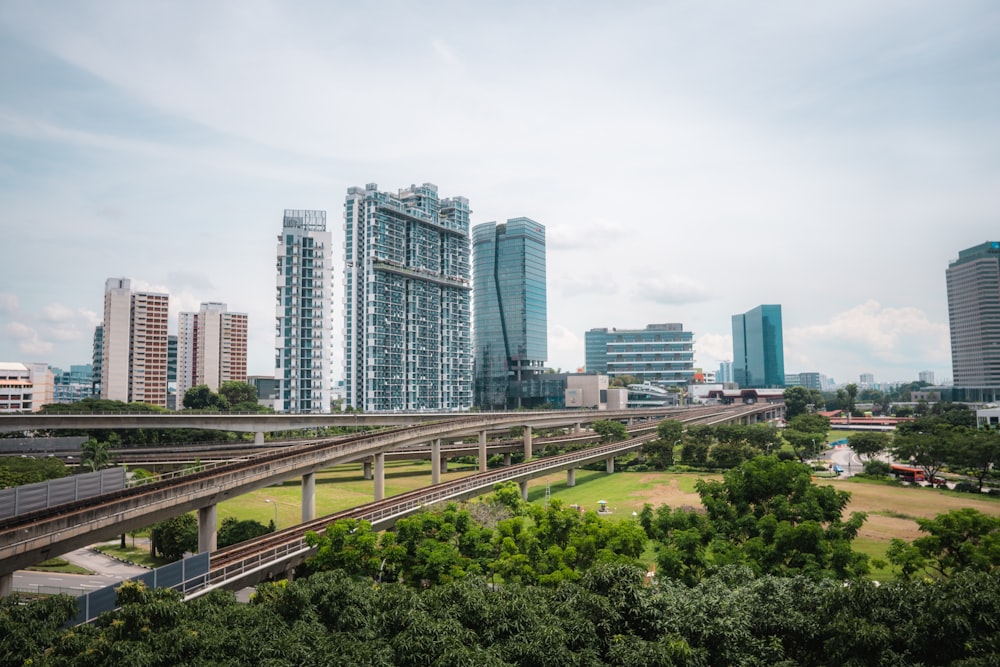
(211, 348)
(134, 347)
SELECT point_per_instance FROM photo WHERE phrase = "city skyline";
(686, 161)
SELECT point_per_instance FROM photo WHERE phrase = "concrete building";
(661, 354)
(926, 376)
(973, 282)
(509, 312)
(97, 361)
(866, 381)
(407, 300)
(16, 388)
(758, 348)
(134, 344)
(211, 348)
(304, 313)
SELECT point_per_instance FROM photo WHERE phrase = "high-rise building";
(407, 317)
(75, 384)
(758, 350)
(974, 317)
(211, 348)
(926, 376)
(304, 314)
(509, 313)
(134, 345)
(660, 354)
(725, 372)
(97, 360)
(866, 381)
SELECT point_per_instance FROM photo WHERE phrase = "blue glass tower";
(510, 317)
(758, 349)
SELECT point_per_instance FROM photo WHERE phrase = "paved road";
(106, 571)
(845, 457)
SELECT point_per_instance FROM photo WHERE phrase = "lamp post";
(275, 504)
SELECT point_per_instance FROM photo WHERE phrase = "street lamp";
(268, 500)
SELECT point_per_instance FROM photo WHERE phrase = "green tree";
(203, 398)
(928, 450)
(660, 451)
(95, 455)
(769, 515)
(233, 530)
(174, 537)
(797, 401)
(977, 450)
(239, 394)
(868, 444)
(610, 430)
(960, 540)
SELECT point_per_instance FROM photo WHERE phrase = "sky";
(689, 160)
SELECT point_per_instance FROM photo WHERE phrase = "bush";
(876, 468)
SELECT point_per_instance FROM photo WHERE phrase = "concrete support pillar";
(258, 438)
(436, 461)
(524, 489)
(610, 465)
(527, 443)
(506, 459)
(367, 469)
(308, 496)
(576, 427)
(482, 451)
(639, 456)
(206, 528)
(380, 476)
(6, 584)
(571, 477)
(444, 464)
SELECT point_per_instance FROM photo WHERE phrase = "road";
(106, 571)
(845, 457)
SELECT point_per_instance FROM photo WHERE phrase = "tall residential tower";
(134, 344)
(758, 348)
(211, 348)
(509, 313)
(304, 314)
(407, 338)
(974, 317)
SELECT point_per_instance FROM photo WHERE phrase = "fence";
(31, 497)
(184, 575)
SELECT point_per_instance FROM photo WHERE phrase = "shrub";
(876, 468)
(966, 487)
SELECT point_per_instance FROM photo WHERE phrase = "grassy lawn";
(138, 555)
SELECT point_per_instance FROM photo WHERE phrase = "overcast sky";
(690, 160)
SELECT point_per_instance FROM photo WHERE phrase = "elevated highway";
(273, 555)
(32, 538)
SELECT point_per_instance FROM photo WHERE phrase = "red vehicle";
(907, 473)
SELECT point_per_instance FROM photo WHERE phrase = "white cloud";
(28, 341)
(670, 290)
(565, 345)
(595, 234)
(711, 349)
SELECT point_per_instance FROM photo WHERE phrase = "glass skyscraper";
(974, 320)
(758, 349)
(407, 318)
(510, 313)
(303, 317)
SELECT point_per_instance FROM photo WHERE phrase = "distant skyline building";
(660, 354)
(75, 384)
(973, 284)
(134, 344)
(96, 360)
(304, 314)
(725, 372)
(926, 376)
(407, 300)
(758, 348)
(16, 388)
(509, 313)
(211, 348)
(810, 380)
(866, 381)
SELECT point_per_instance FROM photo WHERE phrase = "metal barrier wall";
(31, 497)
(184, 575)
